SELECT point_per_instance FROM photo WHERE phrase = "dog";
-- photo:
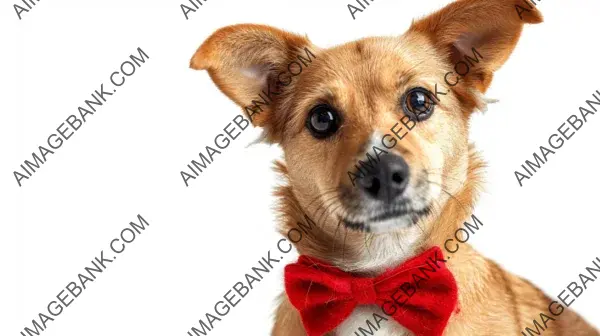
(332, 114)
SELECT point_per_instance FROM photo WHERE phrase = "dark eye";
(418, 103)
(323, 121)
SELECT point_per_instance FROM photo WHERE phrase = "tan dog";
(343, 102)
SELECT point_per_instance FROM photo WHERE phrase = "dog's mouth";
(364, 214)
(387, 220)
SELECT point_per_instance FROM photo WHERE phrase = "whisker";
(399, 243)
(324, 203)
(435, 172)
(444, 176)
(325, 211)
(366, 246)
(327, 191)
(335, 235)
(332, 211)
(344, 245)
(451, 196)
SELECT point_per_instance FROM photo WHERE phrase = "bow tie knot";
(363, 290)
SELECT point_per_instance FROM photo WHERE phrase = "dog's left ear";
(489, 27)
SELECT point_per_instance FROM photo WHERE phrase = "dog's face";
(367, 137)
(375, 132)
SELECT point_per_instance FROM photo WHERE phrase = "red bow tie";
(420, 294)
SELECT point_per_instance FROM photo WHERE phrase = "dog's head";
(375, 131)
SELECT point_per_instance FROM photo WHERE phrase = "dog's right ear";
(245, 59)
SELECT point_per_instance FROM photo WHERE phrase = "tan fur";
(363, 79)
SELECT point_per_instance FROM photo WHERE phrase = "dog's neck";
(370, 254)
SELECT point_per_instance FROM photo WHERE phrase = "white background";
(202, 239)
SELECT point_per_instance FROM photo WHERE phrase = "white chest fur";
(362, 322)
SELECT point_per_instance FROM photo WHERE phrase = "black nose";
(387, 179)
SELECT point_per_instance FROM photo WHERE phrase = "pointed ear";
(490, 27)
(254, 65)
